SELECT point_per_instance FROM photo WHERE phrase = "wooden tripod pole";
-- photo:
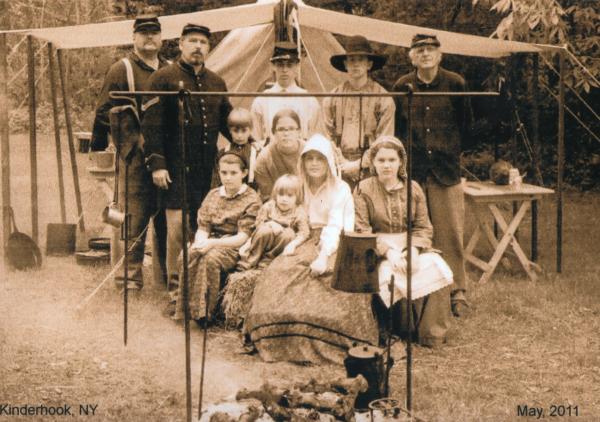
(183, 94)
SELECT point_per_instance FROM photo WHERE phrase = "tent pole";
(61, 182)
(32, 138)
(535, 128)
(560, 164)
(4, 136)
(67, 107)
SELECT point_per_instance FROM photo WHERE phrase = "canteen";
(355, 269)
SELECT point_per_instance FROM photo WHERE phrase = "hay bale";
(237, 296)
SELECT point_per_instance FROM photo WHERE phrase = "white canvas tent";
(242, 59)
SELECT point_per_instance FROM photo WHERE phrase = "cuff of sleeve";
(421, 243)
(382, 248)
(156, 162)
(248, 231)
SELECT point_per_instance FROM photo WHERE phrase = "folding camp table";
(486, 196)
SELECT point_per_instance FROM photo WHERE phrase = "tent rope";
(247, 72)
(573, 114)
(26, 97)
(589, 107)
(574, 57)
(522, 130)
(115, 268)
(14, 48)
(25, 66)
(294, 17)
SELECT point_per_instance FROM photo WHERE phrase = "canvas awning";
(119, 33)
(261, 12)
(400, 34)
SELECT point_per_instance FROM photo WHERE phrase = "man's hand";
(161, 178)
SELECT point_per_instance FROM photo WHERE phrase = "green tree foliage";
(576, 25)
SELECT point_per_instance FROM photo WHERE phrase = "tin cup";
(112, 215)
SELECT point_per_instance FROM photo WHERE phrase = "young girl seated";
(281, 225)
(225, 222)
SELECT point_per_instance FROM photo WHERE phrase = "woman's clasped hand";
(398, 259)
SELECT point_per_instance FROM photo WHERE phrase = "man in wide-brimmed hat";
(441, 130)
(285, 63)
(127, 74)
(350, 131)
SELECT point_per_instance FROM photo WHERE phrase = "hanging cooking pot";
(367, 361)
(355, 269)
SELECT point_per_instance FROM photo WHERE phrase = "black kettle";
(367, 361)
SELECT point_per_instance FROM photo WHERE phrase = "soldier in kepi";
(206, 119)
(131, 74)
(441, 130)
(351, 132)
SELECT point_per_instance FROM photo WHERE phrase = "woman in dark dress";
(380, 203)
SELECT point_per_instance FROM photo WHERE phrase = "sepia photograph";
(300, 210)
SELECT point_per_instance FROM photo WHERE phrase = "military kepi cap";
(420, 40)
(146, 23)
(285, 50)
(192, 27)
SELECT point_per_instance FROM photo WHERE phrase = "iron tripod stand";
(184, 114)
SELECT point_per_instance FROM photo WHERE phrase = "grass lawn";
(523, 343)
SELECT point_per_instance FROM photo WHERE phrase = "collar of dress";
(292, 88)
(398, 186)
(223, 192)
